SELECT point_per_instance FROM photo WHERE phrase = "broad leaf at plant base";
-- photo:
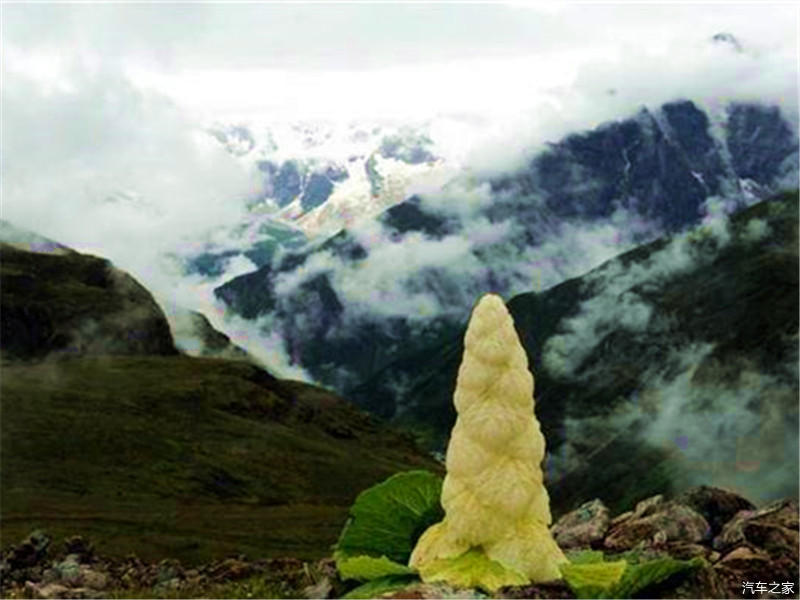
(593, 578)
(385, 522)
(365, 568)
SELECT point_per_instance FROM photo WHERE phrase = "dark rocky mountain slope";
(658, 168)
(74, 304)
(672, 362)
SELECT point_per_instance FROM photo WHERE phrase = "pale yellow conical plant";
(497, 510)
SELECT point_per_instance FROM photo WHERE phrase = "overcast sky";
(103, 104)
(328, 59)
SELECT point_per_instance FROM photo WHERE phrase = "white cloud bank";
(103, 104)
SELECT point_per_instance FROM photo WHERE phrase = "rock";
(582, 527)
(86, 593)
(658, 522)
(116, 315)
(647, 506)
(68, 571)
(50, 590)
(57, 590)
(745, 564)
(30, 552)
(320, 589)
(774, 528)
(167, 570)
(687, 551)
(699, 583)
(759, 544)
(80, 547)
(170, 584)
(231, 569)
(744, 557)
(92, 579)
(717, 505)
(620, 518)
(325, 570)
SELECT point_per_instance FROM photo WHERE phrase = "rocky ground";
(740, 545)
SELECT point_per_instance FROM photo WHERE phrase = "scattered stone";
(687, 551)
(169, 569)
(92, 579)
(231, 569)
(751, 546)
(657, 523)
(77, 545)
(774, 527)
(758, 544)
(620, 518)
(647, 506)
(718, 506)
(699, 583)
(320, 589)
(30, 552)
(434, 590)
(50, 590)
(68, 571)
(583, 527)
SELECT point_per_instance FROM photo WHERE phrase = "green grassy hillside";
(108, 432)
(183, 457)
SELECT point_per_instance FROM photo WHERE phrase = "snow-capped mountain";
(315, 179)
(323, 176)
(346, 308)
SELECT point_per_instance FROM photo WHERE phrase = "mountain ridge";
(740, 322)
(625, 182)
(148, 450)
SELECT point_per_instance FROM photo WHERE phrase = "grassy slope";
(182, 457)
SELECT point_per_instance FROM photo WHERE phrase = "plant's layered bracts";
(493, 495)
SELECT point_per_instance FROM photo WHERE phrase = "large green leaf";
(593, 578)
(387, 519)
(638, 577)
(382, 585)
(364, 567)
(580, 557)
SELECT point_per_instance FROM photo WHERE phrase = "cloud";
(618, 79)
(756, 230)
(739, 435)
(104, 149)
(263, 342)
(614, 304)
(97, 164)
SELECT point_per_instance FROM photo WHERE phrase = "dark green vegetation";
(183, 457)
(165, 455)
(742, 298)
(74, 304)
